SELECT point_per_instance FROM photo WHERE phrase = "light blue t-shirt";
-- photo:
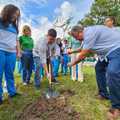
(8, 37)
(101, 39)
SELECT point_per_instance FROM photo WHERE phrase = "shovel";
(51, 92)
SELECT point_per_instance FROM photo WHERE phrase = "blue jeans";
(19, 65)
(113, 78)
(65, 62)
(41, 71)
(7, 67)
(27, 65)
(55, 66)
(100, 70)
(38, 67)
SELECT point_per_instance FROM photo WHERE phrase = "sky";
(42, 14)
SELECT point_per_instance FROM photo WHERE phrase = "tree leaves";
(101, 9)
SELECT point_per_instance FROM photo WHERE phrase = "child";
(9, 21)
(65, 57)
(26, 44)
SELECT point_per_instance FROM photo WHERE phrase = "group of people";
(38, 56)
(47, 53)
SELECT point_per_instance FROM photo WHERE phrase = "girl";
(8, 43)
(26, 44)
(65, 57)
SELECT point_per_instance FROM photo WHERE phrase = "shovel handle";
(50, 78)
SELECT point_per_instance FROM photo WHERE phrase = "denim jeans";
(27, 65)
(38, 67)
(65, 62)
(100, 69)
(113, 77)
(55, 61)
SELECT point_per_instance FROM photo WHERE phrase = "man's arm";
(74, 51)
(80, 57)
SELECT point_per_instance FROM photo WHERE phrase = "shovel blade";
(51, 94)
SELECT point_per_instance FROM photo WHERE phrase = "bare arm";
(18, 49)
(80, 57)
(74, 51)
(45, 68)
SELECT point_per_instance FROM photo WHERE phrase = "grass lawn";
(83, 101)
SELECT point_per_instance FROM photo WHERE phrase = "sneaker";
(55, 81)
(24, 84)
(15, 95)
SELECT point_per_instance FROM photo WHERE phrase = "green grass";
(84, 100)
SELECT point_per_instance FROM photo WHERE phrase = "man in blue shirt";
(105, 42)
(101, 67)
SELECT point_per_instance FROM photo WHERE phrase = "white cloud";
(66, 10)
(43, 20)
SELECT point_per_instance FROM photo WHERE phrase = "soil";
(50, 109)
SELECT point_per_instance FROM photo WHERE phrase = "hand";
(49, 77)
(19, 55)
(69, 52)
(69, 65)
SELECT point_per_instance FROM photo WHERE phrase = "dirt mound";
(52, 109)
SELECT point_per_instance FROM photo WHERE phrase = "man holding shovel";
(105, 42)
(44, 52)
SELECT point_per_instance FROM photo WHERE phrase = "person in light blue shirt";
(101, 66)
(105, 42)
(8, 43)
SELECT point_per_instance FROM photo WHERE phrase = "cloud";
(65, 10)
